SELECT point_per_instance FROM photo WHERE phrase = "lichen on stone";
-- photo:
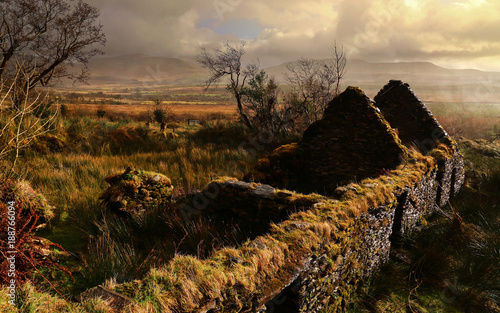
(136, 191)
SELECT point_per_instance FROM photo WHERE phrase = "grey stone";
(264, 191)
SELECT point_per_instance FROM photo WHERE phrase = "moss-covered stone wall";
(417, 128)
(310, 259)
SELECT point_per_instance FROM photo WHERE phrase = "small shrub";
(44, 110)
(64, 110)
(101, 113)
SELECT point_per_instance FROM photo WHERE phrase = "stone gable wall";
(414, 121)
(351, 142)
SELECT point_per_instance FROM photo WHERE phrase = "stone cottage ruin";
(359, 178)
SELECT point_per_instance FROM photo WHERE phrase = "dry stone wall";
(410, 116)
(418, 128)
(379, 227)
(320, 247)
(351, 142)
(330, 279)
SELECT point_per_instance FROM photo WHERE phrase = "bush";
(64, 110)
(101, 113)
(160, 115)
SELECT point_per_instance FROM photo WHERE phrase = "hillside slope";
(139, 69)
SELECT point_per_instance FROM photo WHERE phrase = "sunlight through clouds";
(414, 4)
(446, 31)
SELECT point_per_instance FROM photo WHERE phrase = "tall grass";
(72, 178)
(128, 249)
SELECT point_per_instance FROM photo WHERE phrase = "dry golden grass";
(473, 121)
(474, 128)
(140, 111)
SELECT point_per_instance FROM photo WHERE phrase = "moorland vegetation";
(62, 168)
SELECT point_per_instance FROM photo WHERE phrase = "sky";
(450, 33)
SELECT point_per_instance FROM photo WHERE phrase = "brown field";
(460, 118)
(139, 112)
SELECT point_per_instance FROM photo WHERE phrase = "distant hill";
(360, 70)
(143, 69)
(431, 82)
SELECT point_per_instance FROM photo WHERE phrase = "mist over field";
(433, 83)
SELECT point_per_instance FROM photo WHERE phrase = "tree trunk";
(242, 114)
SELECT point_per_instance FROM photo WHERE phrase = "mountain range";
(435, 82)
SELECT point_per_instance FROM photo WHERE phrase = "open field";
(472, 119)
(139, 112)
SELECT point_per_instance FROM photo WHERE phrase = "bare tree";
(226, 62)
(20, 126)
(314, 84)
(47, 36)
(339, 64)
(262, 102)
(310, 82)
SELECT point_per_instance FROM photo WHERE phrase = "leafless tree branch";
(48, 36)
(226, 62)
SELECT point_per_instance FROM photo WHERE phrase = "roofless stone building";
(359, 178)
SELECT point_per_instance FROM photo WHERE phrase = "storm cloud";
(454, 33)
